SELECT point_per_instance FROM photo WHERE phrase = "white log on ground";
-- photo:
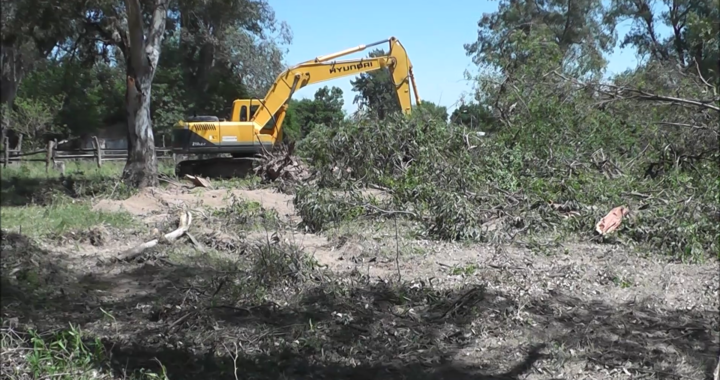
(183, 225)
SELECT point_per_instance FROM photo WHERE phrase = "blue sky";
(432, 32)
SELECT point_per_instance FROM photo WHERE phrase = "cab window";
(243, 113)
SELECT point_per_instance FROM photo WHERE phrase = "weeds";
(246, 215)
(64, 355)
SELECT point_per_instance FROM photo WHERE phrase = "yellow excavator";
(255, 125)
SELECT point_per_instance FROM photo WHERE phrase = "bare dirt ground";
(377, 304)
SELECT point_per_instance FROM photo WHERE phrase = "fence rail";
(56, 157)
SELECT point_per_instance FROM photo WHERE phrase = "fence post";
(98, 151)
(49, 156)
(6, 144)
(54, 151)
(18, 148)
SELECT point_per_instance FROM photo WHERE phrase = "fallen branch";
(198, 181)
(684, 125)
(170, 237)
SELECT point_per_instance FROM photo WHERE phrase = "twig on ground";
(234, 358)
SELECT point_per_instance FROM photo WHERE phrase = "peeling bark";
(141, 166)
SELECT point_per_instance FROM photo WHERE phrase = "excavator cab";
(245, 108)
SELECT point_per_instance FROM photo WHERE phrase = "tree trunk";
(141, 55)
(141, 166)
(12, 73)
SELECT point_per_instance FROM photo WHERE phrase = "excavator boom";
(256, 124)
(323, 69)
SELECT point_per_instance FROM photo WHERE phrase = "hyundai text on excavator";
(255, 125)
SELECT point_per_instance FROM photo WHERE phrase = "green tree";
(376, 91)
(474, 116)
(303, 115)
(217, 40)
(93, 96)
(433, 110)
(30, 30)
(227, 50)
(695, 26)
(574, 35)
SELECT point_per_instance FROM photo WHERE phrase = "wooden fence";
(56, 157)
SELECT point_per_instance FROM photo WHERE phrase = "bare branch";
(109, 37)
(618, 91)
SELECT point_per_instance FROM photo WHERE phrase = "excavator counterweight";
(255, 125)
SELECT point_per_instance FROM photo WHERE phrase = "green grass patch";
(29, 183)
(88, 169)
(61, 217)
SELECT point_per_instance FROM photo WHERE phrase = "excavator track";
(217, 167)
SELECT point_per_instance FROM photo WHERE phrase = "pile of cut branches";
(555, 166)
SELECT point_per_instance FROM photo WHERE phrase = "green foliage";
(475, 116)
(432, 110)
(32, 117)
(91, 98)
(376, 91)
(304, 115)
(227, 50)
(695, 31)
(574, 35)
(199, 71)
(246, 215)
(320, 208)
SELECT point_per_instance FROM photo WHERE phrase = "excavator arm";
(269, 115)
